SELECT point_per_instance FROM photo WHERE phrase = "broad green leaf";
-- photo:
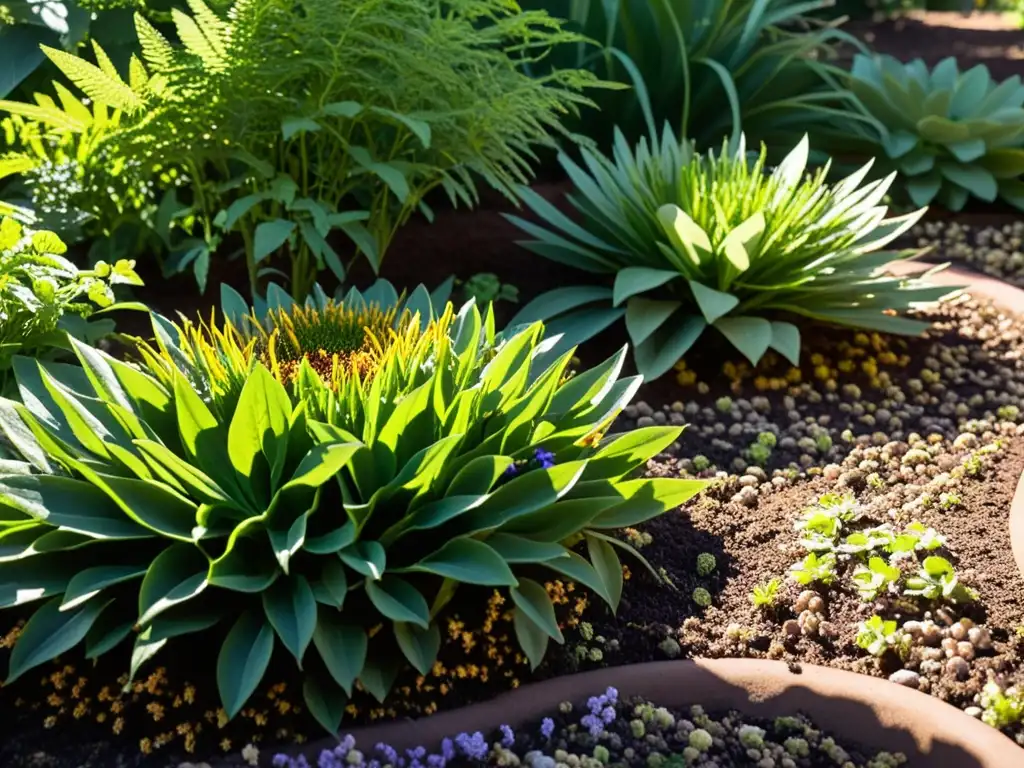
(246, 564)
(90, 582)
(531, 598)
(365, 557)
(786, 341)
(342, 647)
(292, 125)
(420, 646)
(243, 659)
(522, 495)
(621, 455)
(292, 612)
(645, 316)
(259, 427)
(580, 571)
(685, 234)
(398, 600)
(558, 522)
(331, 542)
(49, 633)
(750, 335)
(151, 504)
(269, 236)
(478, 476)
(643, 499)
(110, 629)
(325, 702)
(518, 549)
(176, 575)
(608, 568)
(321, 463)
(713, 304)
(333, 582)
(635, 280)
(657, 354)
(70, 504)
(468, 561)
(532, 639)
(192, 480)
(379, 675)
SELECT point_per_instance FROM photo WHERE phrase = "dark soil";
(981, 38)
(752, 545)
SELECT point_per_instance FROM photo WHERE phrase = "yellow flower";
(145, 746)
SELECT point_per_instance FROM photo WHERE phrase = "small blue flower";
(328, 759)
(611, 694)
(547, 727)
(546, 458)
(507, 737)
(280, 761)
(474, 747)
(608, 715)
(447, 749)
(593, 724)
(435, 761)
(511, 470)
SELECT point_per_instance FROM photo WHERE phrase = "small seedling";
(874, 578)
(813, 568)
(936, 579)
(766, 595)
(876, 635)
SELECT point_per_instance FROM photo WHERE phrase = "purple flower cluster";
(546, 458)
(471, 746)
(601, 712)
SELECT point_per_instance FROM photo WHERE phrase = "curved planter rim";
(856, 708)
(1017, 525)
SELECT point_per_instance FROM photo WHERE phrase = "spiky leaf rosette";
(698, 241)
(313, 509)
(951, 135)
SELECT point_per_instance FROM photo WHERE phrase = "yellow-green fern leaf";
(94, 82)
(137, 76)
(157, 52)
(215, 30)
(104, 62)
(54, 117)
(15, 162)
(196, 42)
(73, 106)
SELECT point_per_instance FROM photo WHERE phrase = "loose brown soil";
(981, 38)
(754, 544)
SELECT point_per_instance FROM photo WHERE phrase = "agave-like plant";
(429, 305)
(328, 477)
(952, 135)
(696, 241)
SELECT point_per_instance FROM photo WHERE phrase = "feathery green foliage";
(710, 68)
(236, 484)
(43, 296)
(287, 142)
(951, 135)
(698, 241)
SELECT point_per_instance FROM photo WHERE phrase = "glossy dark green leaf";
(49, 633)
(398, 600)
(176, 575)
(325, 701)
(243, 659)
(419, 645)
(90, 582)
(469, 561)
(365, 557)
(341, 645)
(291, 610)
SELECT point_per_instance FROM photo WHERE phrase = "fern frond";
(157, 52)
(72, 104)
(137, 76)
(54, 117)
(94, 82)
(196, 42)
(14, 163)
(214, 28)
(104, 62)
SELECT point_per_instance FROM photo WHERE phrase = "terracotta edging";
(1017, 525)
(857, 709)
